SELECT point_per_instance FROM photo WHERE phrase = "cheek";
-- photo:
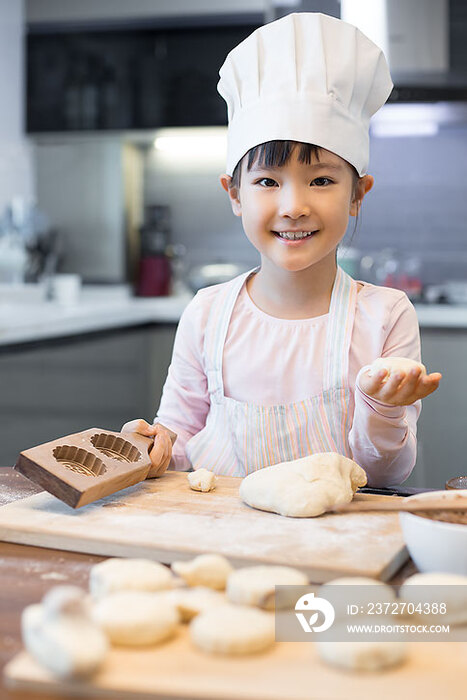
(339, 211)
(254, 214)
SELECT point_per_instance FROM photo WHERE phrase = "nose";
(294, 202)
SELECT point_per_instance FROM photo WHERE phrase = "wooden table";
(27, 573)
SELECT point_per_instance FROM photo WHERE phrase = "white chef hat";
(305, 77)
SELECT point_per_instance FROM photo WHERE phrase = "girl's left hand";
(401, 388)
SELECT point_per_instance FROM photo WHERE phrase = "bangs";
(274, 154)
(277, 153)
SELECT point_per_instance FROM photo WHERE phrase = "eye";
(266, 182)
(322, 181)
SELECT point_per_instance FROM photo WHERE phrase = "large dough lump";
(305, 487)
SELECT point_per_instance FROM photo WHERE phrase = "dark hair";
(277, 153)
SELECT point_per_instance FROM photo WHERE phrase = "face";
(295, 215)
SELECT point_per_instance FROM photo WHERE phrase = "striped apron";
(240, 437)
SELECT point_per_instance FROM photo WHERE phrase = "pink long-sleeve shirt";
(270, 361)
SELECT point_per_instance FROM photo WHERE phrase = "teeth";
(294, 235)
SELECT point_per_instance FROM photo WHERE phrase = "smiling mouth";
(294, 235)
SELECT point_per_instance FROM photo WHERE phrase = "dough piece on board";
(116, 574)
(438, 589)
(202, 480)
(305, 487)
(254, 585)
(136, 618)
(363, 656)
(394, 364)
(233, 629)
(211, 570)
(60, 634)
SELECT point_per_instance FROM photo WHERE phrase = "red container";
(154, 276)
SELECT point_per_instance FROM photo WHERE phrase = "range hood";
(424, 42)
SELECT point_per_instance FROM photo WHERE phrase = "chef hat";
(305, 77)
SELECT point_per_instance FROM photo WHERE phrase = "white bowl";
(434, 545)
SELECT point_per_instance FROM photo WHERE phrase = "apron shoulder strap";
(339, 332)
(216, 330)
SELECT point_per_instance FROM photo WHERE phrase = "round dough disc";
(115, 574)
(362, 656)
(367, 590)
(233, 629)
(67, 645)
(254, 585)
(438, 588)
(193, 601)
(136, 618)
(211, 570)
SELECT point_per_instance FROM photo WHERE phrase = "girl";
(273, 365)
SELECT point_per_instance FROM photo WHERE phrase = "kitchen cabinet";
(128, 79)
(65, 386)
(442, 426)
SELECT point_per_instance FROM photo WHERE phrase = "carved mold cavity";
(78, 460)
(116, 447)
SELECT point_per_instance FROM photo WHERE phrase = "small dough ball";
(362, 656)
(232, 629)
(255, 585)
(117, 574)
(211, 570)
(61, 636)
(202, 480)
(303, 488)
(136, 618)
(435, 589)
(366, 590)
(394, 364)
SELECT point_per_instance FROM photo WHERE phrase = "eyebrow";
(317, 166)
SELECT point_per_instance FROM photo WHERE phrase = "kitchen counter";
(104, 308)
(100, 308)
(27, 573)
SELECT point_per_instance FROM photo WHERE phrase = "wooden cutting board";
(163, 519)
(288, 671)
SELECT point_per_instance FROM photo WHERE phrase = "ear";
(226, 181)
(364, 185)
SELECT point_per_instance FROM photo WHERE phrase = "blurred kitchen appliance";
(423, 41)
(413, 34)
(154, 270)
